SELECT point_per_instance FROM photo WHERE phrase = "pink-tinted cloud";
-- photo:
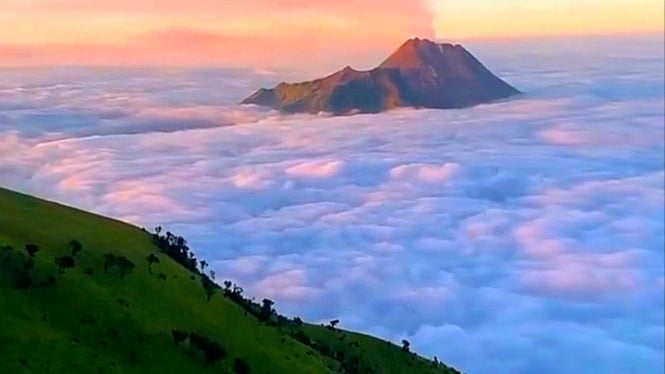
(289, 285)
(204, 32)
(580, 275)
(316, 169)
(424, 172)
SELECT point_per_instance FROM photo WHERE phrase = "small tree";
(203, 264)
(32, 249)
(124, 266)
(406, 346)
(333, 324)
(64, 262)
(298, 321)
(241, 366)
(266, 309)
(281, 320)
(237, 290)
(152, 259)
(76, 247)
(209, 287)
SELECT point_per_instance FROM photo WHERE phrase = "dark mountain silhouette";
(420, 73)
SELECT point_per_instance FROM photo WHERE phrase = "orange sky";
(283, 33)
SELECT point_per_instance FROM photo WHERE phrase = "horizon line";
(273, 70)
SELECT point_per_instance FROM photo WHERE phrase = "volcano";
(421, 74)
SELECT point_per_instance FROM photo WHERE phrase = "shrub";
(23, 282)
(406, 346)
(32, 249)
(76, 247)
(302, 337)
(179, 336)
(212, 351)
(209, 287)
(123, 265)
(241, 366)
(152, 259)
(64, 262)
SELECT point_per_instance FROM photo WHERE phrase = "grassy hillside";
(87, 318)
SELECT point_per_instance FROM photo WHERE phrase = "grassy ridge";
(92, 321)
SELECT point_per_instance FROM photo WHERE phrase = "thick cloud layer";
(518, 237)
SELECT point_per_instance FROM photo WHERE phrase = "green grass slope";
(92, 321)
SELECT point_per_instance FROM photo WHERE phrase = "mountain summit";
(420, 73)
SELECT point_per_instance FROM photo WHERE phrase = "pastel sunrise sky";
(283, 33)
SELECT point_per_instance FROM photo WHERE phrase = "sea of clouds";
(518, 237)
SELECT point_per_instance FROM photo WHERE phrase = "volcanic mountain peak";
(415, 53)
(420, 73)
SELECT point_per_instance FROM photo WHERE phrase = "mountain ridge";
(85, 293)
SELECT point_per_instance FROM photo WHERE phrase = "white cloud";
(518, 237)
